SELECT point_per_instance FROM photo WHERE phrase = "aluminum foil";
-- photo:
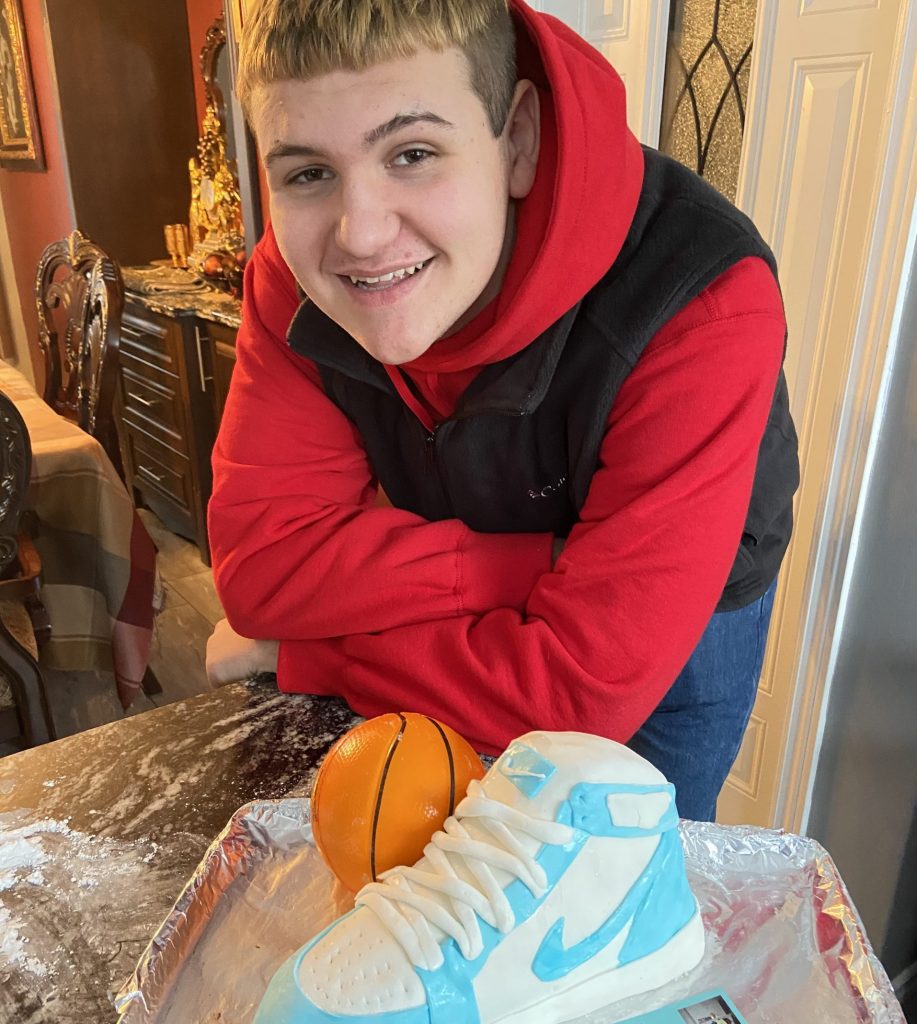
(783, 938)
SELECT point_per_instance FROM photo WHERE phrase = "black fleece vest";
(519, 452)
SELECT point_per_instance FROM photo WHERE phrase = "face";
(390, 195)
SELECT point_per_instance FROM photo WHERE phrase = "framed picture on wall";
(20, 140)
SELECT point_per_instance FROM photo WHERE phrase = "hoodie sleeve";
(602, 636)
(299, 549)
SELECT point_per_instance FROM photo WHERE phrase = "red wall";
(37, 203)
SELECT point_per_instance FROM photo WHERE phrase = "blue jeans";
(694, 735)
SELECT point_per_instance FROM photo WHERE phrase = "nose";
(366, 224)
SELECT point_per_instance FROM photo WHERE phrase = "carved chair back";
(80, 298)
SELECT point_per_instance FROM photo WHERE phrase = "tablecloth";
(98, 561)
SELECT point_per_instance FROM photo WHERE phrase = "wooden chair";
(24, 714)
(80, 301)
(80, 297)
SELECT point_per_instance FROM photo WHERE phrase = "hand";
(231, 657)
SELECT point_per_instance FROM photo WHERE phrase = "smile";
(389, 280)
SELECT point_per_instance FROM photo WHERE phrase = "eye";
(412, 157)
(309, 176)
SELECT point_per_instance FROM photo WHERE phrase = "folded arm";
(603, 636)
(300, 548)
(392, 612)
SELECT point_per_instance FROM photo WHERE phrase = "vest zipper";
(430, 453)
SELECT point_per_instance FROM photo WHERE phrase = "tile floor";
(83, 700)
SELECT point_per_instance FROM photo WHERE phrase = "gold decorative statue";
(215, 216)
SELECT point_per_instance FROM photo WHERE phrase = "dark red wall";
(37, 204)
(201, 15)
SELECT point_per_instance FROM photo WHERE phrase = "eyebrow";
(373, 136)
(400, 121)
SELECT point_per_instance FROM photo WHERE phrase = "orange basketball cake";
(556, 888)
(382, 791)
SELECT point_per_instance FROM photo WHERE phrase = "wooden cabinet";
(221, 345)
(167, 424)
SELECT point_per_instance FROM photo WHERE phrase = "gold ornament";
(215, 215)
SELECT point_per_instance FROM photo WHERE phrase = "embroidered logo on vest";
(548, 489)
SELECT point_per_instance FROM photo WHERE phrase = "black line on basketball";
(439, 729)
(388, 760)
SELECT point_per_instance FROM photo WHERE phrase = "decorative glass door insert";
(706, 87)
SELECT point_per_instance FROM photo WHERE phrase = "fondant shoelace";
(401, 899)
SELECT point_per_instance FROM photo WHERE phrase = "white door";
(828, 177)
(632, 34)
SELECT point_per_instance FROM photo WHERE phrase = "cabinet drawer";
(151, 337)
(158, 467)
(129, 359)
(154, 407)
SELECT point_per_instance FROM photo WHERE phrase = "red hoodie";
(396, 613)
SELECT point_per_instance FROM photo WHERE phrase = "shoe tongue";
(524, 777)
(519, 779)
(535, 775)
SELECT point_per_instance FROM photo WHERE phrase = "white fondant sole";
(684, 950)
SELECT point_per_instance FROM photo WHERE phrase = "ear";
(522, 134)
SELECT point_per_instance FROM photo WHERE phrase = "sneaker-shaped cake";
(558, 887)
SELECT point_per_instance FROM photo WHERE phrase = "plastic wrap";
(784, 940)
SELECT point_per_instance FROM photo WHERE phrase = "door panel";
(820, 153)
(632, 34)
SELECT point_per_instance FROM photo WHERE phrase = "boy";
(558, 355)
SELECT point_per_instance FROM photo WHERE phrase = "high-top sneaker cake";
(558, 887)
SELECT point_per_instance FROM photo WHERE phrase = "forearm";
(331, 571)
(300, 549)
(604, 635)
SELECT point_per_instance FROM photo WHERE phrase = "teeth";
(395, 275)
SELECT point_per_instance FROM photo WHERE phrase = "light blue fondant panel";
(667, 905)
(589, 801)
(526, 769)
(554, 959)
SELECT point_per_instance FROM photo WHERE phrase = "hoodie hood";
(571, 226)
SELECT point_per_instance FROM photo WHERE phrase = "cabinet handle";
(149, 472)
(149, 403)
(200, 357)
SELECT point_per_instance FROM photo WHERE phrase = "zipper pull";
(430, 452)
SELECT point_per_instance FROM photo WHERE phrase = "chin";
(396, 351)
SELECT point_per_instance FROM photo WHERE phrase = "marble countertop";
(99, 833)
(204, 301)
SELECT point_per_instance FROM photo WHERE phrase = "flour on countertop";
(12, 947)
(21, 852)
(62, 890)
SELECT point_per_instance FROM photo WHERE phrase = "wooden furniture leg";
(24, 676)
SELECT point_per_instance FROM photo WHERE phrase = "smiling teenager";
(557, 353)
(393, 215)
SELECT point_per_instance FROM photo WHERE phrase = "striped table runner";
(98, 561)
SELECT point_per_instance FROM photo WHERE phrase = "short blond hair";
(299, 39)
